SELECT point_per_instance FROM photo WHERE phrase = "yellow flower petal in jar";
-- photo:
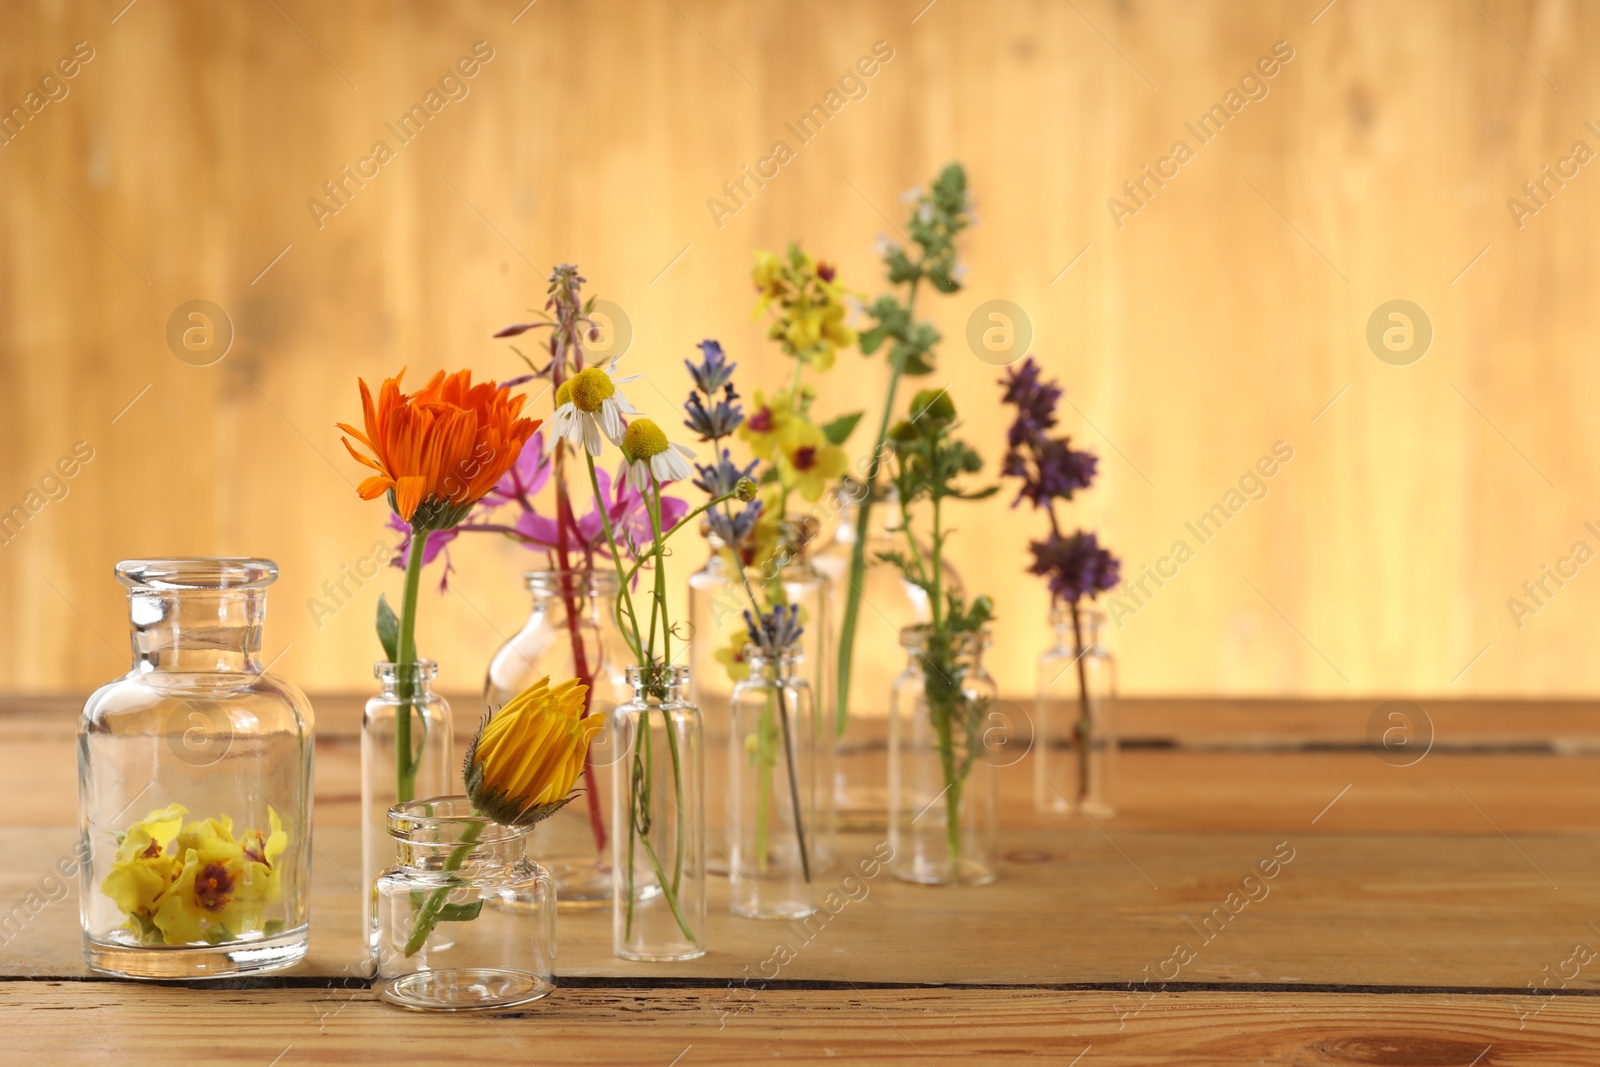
(143, 869)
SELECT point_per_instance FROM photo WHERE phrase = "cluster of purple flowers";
(713, 418)
(1050, 469)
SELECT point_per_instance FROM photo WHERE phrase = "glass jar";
(1075, 729)
(194, 785)
(571, 633)
(717, 603)
(942, 805)
(773, 773)
(406, 704)
(463, 919)
(658, 853)
(889, 605)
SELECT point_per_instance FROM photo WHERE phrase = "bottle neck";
(420, 675)
(783, 669)
(1090, 626)
(562, 587)
(659, 685)
(965, 648)
(197, 631)
(430, 834)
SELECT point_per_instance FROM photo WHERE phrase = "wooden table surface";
(1414, 911)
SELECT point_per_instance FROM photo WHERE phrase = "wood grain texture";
(1222, 317)
(704, 1026)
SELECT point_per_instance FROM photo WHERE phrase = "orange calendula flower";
(441, 448)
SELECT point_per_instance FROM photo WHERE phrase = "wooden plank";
(710, 1027)
(1410, 911)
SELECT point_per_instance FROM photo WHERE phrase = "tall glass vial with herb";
(776, 784)
(1075, 720)
(943, 817)
(571, 633)
(658, 865)
(194, 785)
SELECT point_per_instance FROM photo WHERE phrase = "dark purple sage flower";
(1034, 400)
(1075, 566)
(734, 531)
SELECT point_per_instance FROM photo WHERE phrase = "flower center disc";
(590, 388)
(644, 439)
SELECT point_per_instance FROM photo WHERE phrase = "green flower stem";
(858, 551)
(406, 764)
(794, 786)
(624, 596)
(1085, 721)
(652, 504)
(433, 907)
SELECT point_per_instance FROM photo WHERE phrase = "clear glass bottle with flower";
(1075, 724)
(194, 785)
(464, 920)
(941, 782)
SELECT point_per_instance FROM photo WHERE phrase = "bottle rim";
(196, 573)
(587, 580)
(915, 638)
(443, 821)
(421, 668)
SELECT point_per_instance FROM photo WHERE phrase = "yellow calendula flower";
(807, 461)
(527, 757)
(197, 884)
(766, 420)
(731, 656)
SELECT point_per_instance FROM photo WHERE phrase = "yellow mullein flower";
(731, 656)
(142, 870)
(767, 419)
(807, 461)
(197, 884)
(811, 310)
(527, 757)
(224, 885)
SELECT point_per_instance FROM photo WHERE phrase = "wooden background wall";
(1223, 317)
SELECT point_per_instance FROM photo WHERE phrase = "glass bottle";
(428, 770)
(571, 633)
(463, 919)
(942, 804)
(1075, 732)
(194, 785)
(717, 602)
(775, 784)
(889, 605)
(657, 809)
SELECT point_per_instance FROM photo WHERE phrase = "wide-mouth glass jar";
(463, 919)
(194, 784)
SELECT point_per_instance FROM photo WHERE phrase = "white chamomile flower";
(588, 406)
(653, 454)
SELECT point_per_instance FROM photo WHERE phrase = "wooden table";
(1413, 910)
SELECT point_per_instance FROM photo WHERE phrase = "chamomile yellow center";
(590, 388)
(644, 439)
(564, 393)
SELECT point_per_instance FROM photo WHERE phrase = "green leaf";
(871, 339)
(273, 928)
(460, 913)
(388, 630)
(219, 934)
(839, 430)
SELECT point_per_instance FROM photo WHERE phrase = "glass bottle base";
(192, 962)
(927, 872)
(463, 989)
(580, 882)
(659, 957)
(787, 910)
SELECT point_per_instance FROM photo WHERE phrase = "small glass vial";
(775, 786)
(194, 785)
(463, 919)
(571, 633)
(717, 602)
(407, 706)
(658, 851)
(1075, 729)
(942, 805)
(889, 604)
